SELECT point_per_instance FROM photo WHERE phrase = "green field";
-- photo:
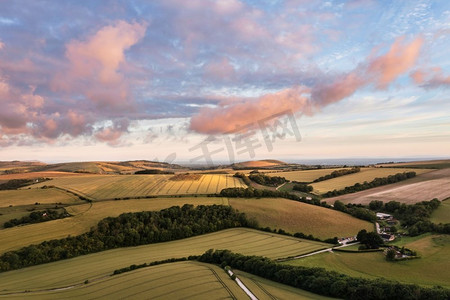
(429, 270)
(101, 187)
(442, 214)
(86, 216)
(181, 280)
(94, 266)
(31, 196)
(366, 174)
(295, 217)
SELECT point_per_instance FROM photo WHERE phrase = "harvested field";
(105, 187)
(90, 267)
(295, 217)
(424, 187)
(366, 174)
(86, 216)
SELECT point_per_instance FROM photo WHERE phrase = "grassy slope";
(442, 214)
(295, 216)
(431, 269)
(86, 216)
(31, 196)
(77, 270)
(366, 174)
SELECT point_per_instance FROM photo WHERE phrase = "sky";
(222, 81)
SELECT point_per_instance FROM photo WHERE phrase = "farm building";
(387, 237)
(382, 216)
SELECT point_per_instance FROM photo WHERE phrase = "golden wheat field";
(366, 174)
(102, 187)
(295, 217)
(304, 175)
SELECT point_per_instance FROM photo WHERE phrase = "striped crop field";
(85, 216)
(101, 187)
(182, 280)
(366, 174)
(267, 289)
(96, 266)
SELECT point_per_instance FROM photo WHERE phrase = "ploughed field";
(101, 187)
(424, 187)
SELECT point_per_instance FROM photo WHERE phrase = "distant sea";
(360, 161)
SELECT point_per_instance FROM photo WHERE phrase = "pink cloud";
(399, 59)
(432, 77)
(220, 69)
(112, 134)
(96, 65)
(233, 116)
(381, 71)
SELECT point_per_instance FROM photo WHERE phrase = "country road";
(316, 252)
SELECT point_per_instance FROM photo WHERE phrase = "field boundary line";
(262, 288)
(221, 282)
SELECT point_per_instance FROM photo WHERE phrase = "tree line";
(262, 179)
(38, 217)
(368, 185)
(321, 281)
(130, 229)
(338, 173)
(15, 184)
(415, 216)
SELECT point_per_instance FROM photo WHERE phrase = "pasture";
(85, 216)
(366, 174)
(429, 270)
(293, 217)
(98, 265)
(304, 175)
(424, 187)
(101, 187)
(442, 214)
